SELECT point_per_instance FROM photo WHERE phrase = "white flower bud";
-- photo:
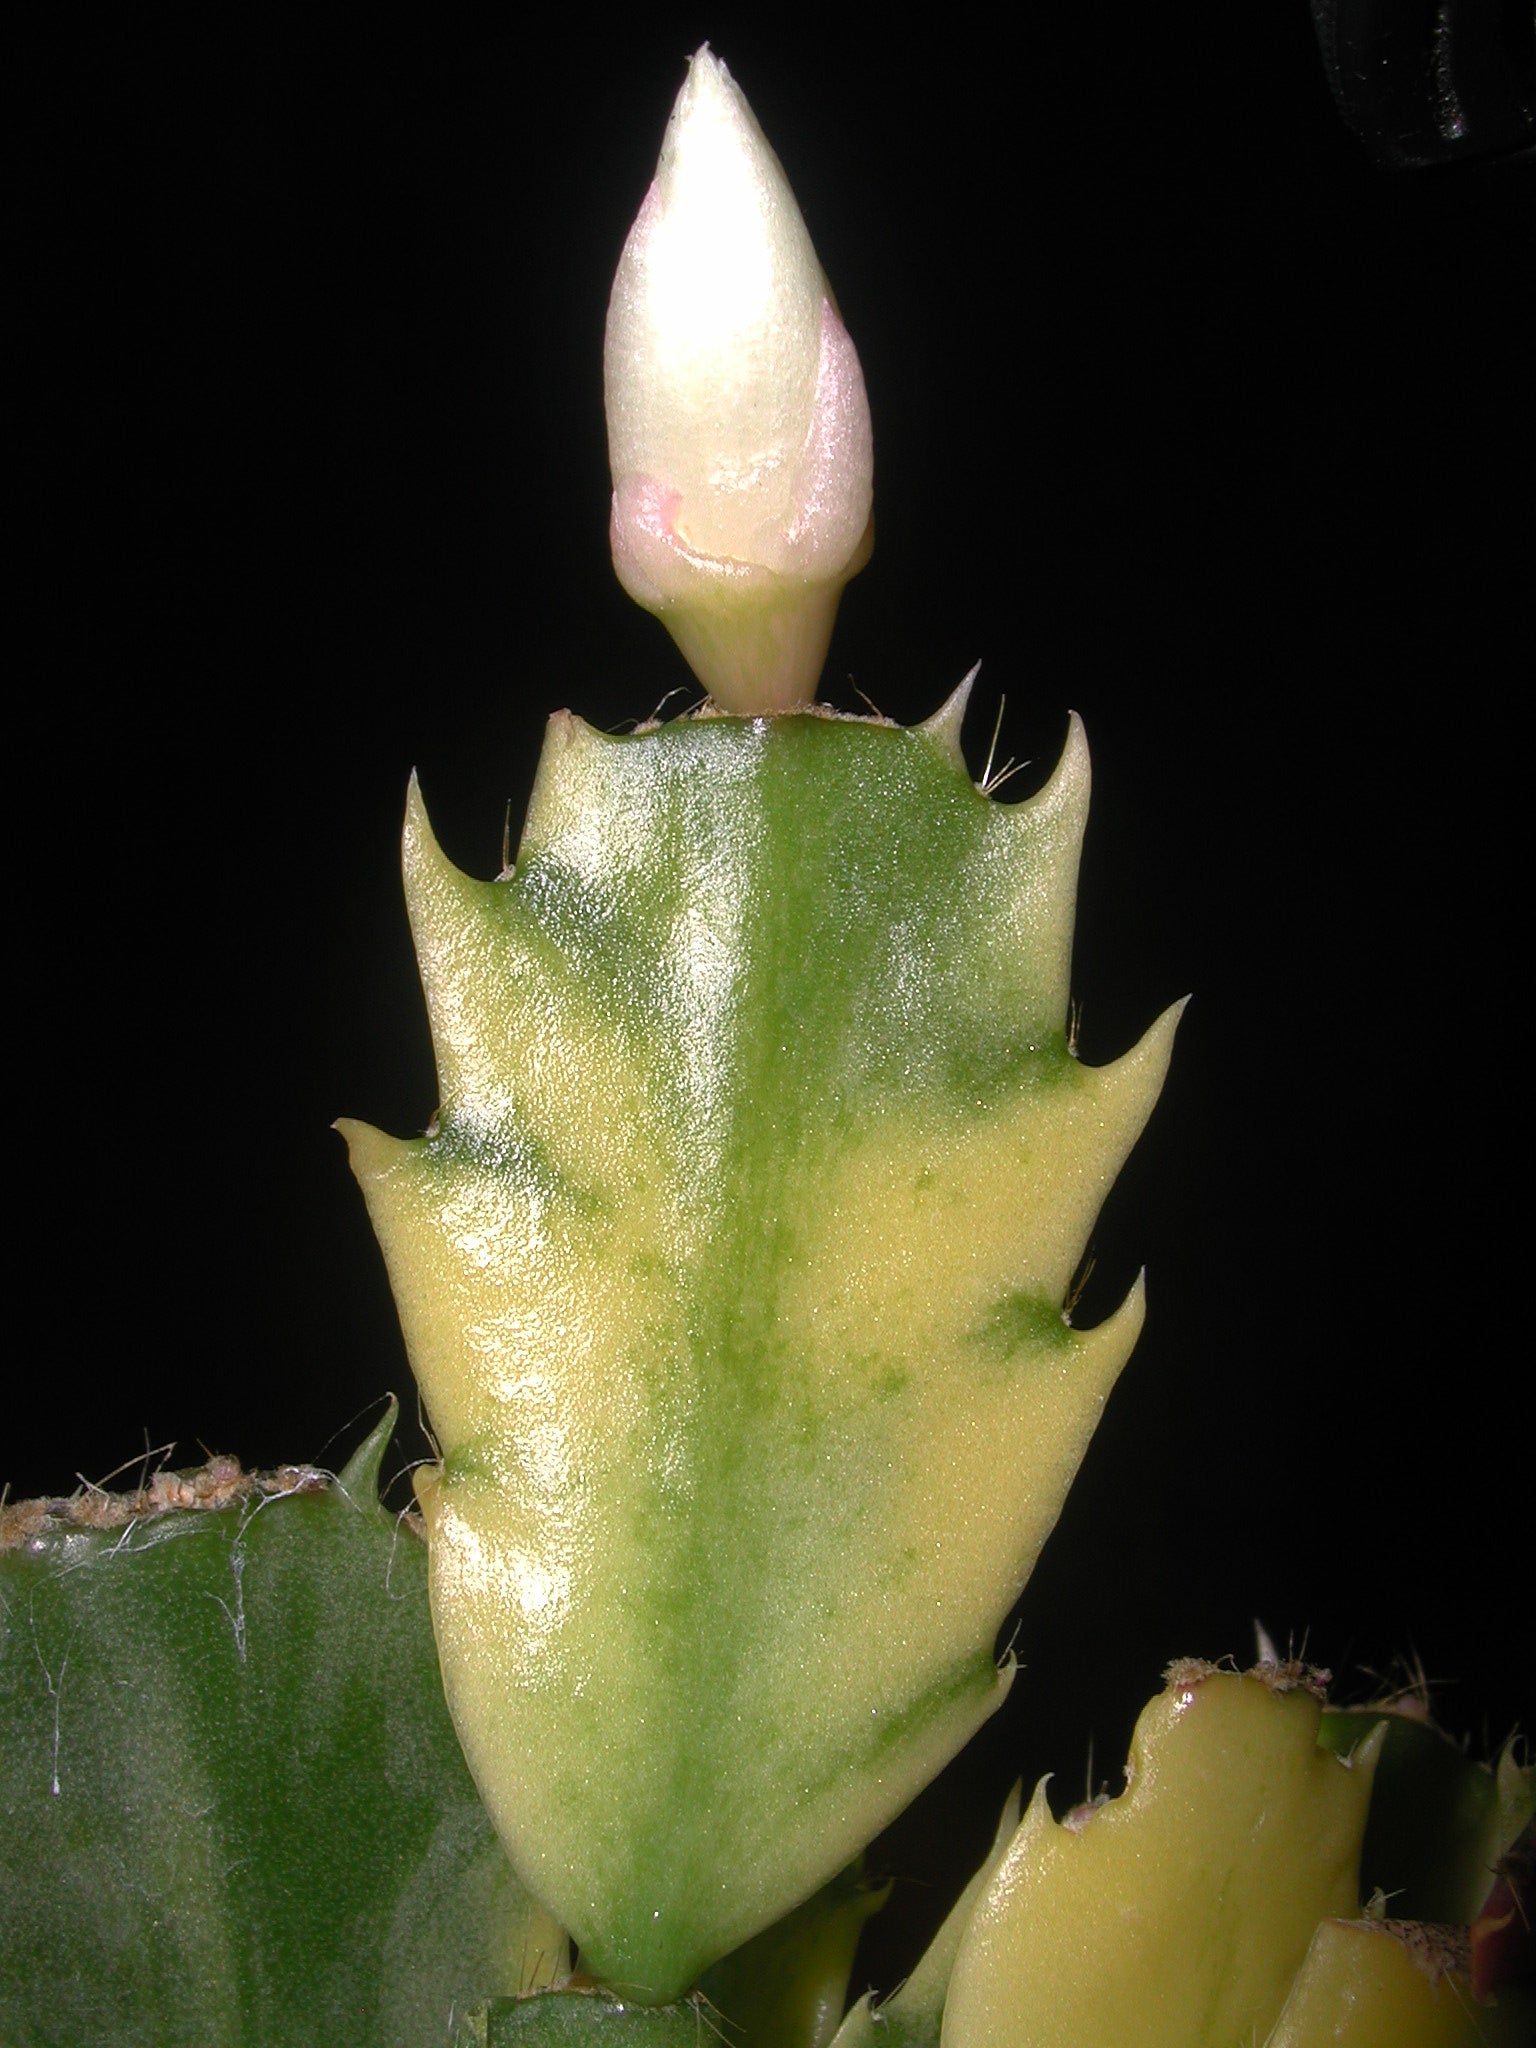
(738, 427)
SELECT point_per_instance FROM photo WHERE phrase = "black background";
(1186, 417)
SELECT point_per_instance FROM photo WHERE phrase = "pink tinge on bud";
(835, 486)
(642, 531)
(816, 531)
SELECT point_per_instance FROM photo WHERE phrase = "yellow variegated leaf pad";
(1177, 1915)
(732, 1269)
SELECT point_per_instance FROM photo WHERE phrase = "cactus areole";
(733, 1267)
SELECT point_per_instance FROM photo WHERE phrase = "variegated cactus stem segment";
(1177, 1915)
(732, 1270)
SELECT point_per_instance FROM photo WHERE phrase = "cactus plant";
(51, 1549)
(761, 1172)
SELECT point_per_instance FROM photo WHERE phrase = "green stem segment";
(733, 1270)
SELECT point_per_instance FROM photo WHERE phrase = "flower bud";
(738, 426)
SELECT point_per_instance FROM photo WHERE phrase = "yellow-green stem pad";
(1177, 1915)
(733, 1271)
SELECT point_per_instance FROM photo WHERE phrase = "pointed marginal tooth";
(467, 945)
(419, 850)
(563, 795)
(1008, 1202)
(434, 887)
(388, 1170)
(1041, 1172)
(1118, 1332)
(1038, 1824)
(373, 1154)
(859, 2029)
(1064, 797)
(1058, 1415)
(512, 1020)
(1099, 1357)
(407, 1204)
(943, 728)
(1038, 846)
(358, 1479)
(1366, 1755)
(1130, 1086)
(1008, 1820)
(1126, 1089)
(1038, 1818)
